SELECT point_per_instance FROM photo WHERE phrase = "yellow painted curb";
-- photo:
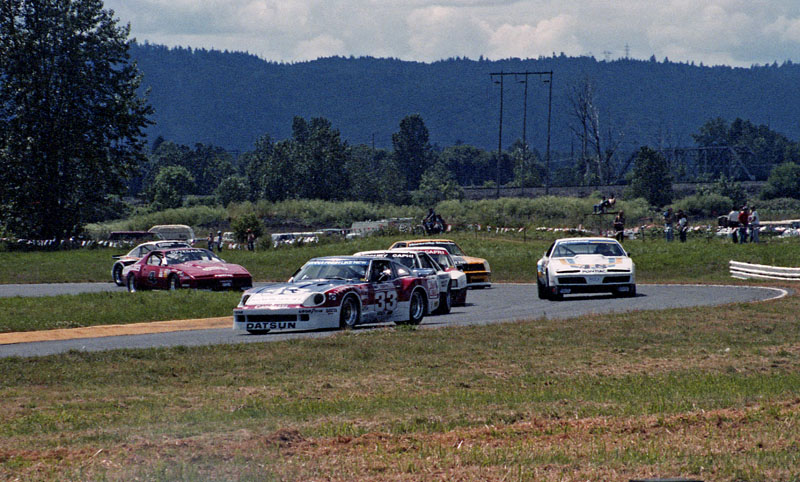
(116, 330)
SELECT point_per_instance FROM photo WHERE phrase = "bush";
(779, 208)
(244, 223)
(705, 205)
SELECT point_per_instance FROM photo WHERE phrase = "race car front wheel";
(173, 283)
(445, 302)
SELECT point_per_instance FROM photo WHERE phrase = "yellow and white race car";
(585, 265)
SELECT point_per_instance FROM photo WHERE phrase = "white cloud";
(322, 46)
(547, 36)
(787, 29)
(736, 32)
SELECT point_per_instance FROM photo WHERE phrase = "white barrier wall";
(760, 271)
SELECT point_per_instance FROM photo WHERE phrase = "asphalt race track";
(502, 302)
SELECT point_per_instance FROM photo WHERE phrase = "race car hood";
(290, 293)
(591, 263)
(204, 268)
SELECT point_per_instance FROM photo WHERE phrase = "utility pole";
(500, 134)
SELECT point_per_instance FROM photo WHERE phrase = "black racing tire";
(349, 313)
(416, 310)
(541, 290)
(173, 283)
(445, 302)
(116, 274)
(131, 283)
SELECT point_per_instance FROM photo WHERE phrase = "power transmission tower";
(549, 81)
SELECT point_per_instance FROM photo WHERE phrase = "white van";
(174, 232)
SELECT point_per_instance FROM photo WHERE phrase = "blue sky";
(714, 32)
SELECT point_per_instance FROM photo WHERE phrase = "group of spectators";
(744, 224)
(670, 219)
(216, 242)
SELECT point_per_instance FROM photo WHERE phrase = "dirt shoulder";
(116, 330)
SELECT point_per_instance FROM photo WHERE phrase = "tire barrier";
(742, 270)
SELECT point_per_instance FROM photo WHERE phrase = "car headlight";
(315, 299)
(244, 299)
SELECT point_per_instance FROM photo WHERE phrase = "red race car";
(186, 268)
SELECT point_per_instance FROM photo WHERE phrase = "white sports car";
(585, 265)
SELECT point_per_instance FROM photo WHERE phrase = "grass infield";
(707, 393)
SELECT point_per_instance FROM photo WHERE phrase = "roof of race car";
(598, 239)
(427, 240)
(343, 258)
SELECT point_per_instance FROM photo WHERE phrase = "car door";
(150, 274)
(383, 292)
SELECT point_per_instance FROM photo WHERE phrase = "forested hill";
(232, 99)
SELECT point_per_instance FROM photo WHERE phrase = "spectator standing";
(733, 224)
(755, 224)
(219, 241)
(619, 226)
(251, 240)
(744, 215)
(210, 241)
(669, 221)
(683, 225)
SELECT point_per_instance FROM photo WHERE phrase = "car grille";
(580, 280)
(474, 267)
(572, 280)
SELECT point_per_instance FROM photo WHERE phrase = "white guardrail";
(760, 271)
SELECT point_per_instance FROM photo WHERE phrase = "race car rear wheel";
(132, 283)
(116, 273)
(416, 309)
(445, 302)
(173, 283)
(349, 313)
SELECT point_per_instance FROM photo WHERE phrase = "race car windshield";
(332, 271)
(442, 259)
(179, 257)
(568, 250)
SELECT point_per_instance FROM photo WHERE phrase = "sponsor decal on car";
(271, 325)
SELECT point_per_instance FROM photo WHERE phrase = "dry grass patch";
(712, 393)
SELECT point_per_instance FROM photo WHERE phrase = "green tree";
(71, 121)
(650, 178)
(783, 181)
(232, 189)
(373, 176)
(170, 185)
(437, 184)
(412, 149)
(241, 224)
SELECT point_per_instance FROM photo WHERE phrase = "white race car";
(585, 265)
